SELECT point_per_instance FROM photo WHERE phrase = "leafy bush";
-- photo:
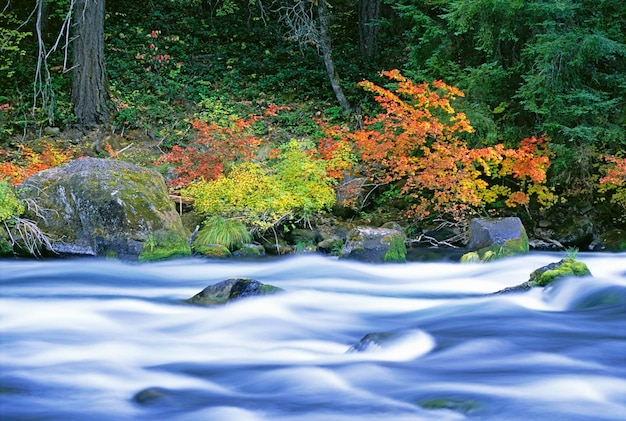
(293, 187)
(17, 233)
(214, 147)
(416, 140)
(615, 180)
(10, 206)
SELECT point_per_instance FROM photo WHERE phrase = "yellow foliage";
(264, 196)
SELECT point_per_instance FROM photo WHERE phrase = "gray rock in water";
(549, 273)
(397, 345)
(231, 289)
(375, 245)
(487, 231)
(373, 341)
(104, 207)
(494, 238)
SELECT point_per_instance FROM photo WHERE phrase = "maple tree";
(416, 141)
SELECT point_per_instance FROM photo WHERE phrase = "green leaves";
(265, 195)
(10, 206)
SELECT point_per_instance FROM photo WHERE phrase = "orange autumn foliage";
(28, 162)
(616, 174)
(615, 179)
(213, 148)
(415, 140)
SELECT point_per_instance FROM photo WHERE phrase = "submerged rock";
(462, 405)
(401, 345)
(232, 289)
(103, 207)
(374, 341)
(151, 395)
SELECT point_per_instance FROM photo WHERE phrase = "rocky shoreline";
(103, 207)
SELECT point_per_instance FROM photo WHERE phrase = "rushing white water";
(96, 339)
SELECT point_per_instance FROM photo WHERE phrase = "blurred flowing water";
(103, 340)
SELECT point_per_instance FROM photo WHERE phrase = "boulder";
(375, 245)
(231, 289)
(547, 274)
(101, 207)
(612, 240)
(492, 238)
(250, 250)
(562, 269)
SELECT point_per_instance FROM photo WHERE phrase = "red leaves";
(615, 174)
(213, 149)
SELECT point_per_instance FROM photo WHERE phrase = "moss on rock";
(212, 250)
(397, 248)
(613, 240)
(164, 246)
(562, 269)
(95, 206)
(232, 289)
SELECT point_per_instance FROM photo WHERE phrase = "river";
(95, 339)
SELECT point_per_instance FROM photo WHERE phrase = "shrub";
(19, 233)
(10, 206)
(615, 180)
(292, 187)
(27, 162)
(416, 140)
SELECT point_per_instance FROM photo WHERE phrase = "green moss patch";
(397, 249)
(562, 269)
(453, 404)
(164, 246)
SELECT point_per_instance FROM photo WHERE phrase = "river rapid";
(96, 339)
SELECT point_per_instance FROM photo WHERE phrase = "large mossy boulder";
(375, 245)
(231, 289)
(102, 207)
(492, 238)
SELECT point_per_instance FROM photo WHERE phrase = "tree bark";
(369, 12)
(90, 94)
(326, 50)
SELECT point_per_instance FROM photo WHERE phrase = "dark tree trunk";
(90, 94)
(369, 12)
(326, 50)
